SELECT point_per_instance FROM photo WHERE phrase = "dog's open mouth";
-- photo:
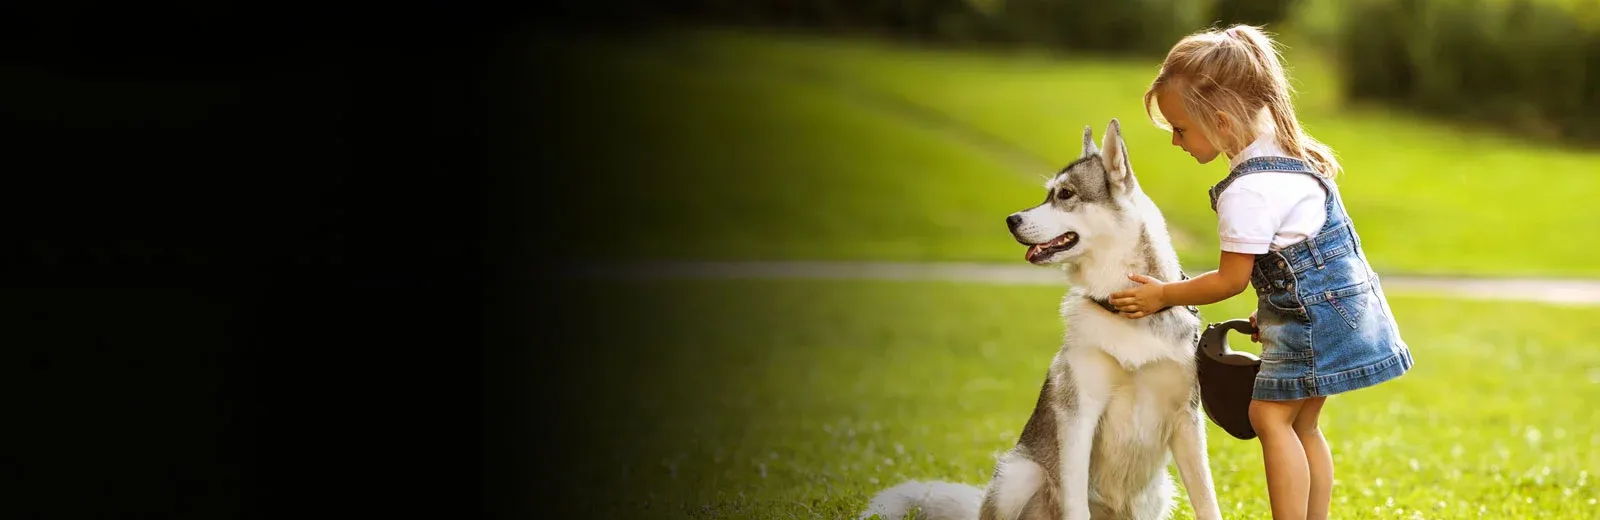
(1057, 244)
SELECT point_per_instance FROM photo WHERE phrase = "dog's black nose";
(1013, 221)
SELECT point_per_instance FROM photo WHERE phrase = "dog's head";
(1081, 202)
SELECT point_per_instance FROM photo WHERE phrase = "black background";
(275, 261)
(259, 260)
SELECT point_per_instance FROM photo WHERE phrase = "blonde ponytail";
(1236, 71)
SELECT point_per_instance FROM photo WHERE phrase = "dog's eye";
(1063, 194)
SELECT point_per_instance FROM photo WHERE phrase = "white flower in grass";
(1532, 435)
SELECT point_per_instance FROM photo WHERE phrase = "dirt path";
(1563, 291)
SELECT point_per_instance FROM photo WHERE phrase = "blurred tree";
(1142, 27)
(1532, 66)
(1253, 12)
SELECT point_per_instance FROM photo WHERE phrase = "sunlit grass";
(800, 400)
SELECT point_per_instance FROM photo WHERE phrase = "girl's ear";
(1224, 135)
(1224, 123)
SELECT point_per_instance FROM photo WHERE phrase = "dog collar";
(1106, 304)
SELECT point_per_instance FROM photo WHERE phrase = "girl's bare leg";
(1319, 459)
(1288, 477)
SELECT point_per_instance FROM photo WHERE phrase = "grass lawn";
(739, 146)
(719, 162)
(800, 400)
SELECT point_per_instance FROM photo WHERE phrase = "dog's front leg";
(1078, 420)
(1188, 446)
(1077, 443)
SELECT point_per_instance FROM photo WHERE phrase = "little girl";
(1322, 318)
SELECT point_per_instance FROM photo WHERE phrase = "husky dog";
(1120, 394)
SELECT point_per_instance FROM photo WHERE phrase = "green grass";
(729, 163)
(740, 145)
(800, 400)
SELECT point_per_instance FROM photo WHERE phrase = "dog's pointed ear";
(1088, 142)
(1119, 171)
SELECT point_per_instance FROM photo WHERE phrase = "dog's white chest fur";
(1132, 343)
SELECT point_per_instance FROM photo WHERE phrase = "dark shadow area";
(248, 250)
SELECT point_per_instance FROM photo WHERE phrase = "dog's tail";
(929, 500)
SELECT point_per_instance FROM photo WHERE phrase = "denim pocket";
(1352, 302)
(1280, 296)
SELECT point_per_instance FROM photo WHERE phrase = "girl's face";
(1184, 134)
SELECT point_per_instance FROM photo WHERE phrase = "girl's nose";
(1175, 140)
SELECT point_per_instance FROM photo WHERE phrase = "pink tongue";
(1032, 251)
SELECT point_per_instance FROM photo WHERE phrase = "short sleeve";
(1246, 221)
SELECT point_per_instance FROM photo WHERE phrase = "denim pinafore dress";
(1325, 324)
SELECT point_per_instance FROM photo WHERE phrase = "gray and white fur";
(1121, 399)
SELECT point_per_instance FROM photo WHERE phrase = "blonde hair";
(1237, 72)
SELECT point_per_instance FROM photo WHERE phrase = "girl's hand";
(1142, 300)
(1255, 337)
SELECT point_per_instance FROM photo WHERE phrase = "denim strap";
(1264, 164)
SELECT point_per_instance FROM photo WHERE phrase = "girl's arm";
(1231, 277)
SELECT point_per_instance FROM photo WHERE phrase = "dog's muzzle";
(1060, 243)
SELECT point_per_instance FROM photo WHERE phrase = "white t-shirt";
(1268, 211)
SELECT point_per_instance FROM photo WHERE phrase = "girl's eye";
(1064, 194)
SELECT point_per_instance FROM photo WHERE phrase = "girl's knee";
(1271, 417)
(1305, 422)
(1305, 426)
